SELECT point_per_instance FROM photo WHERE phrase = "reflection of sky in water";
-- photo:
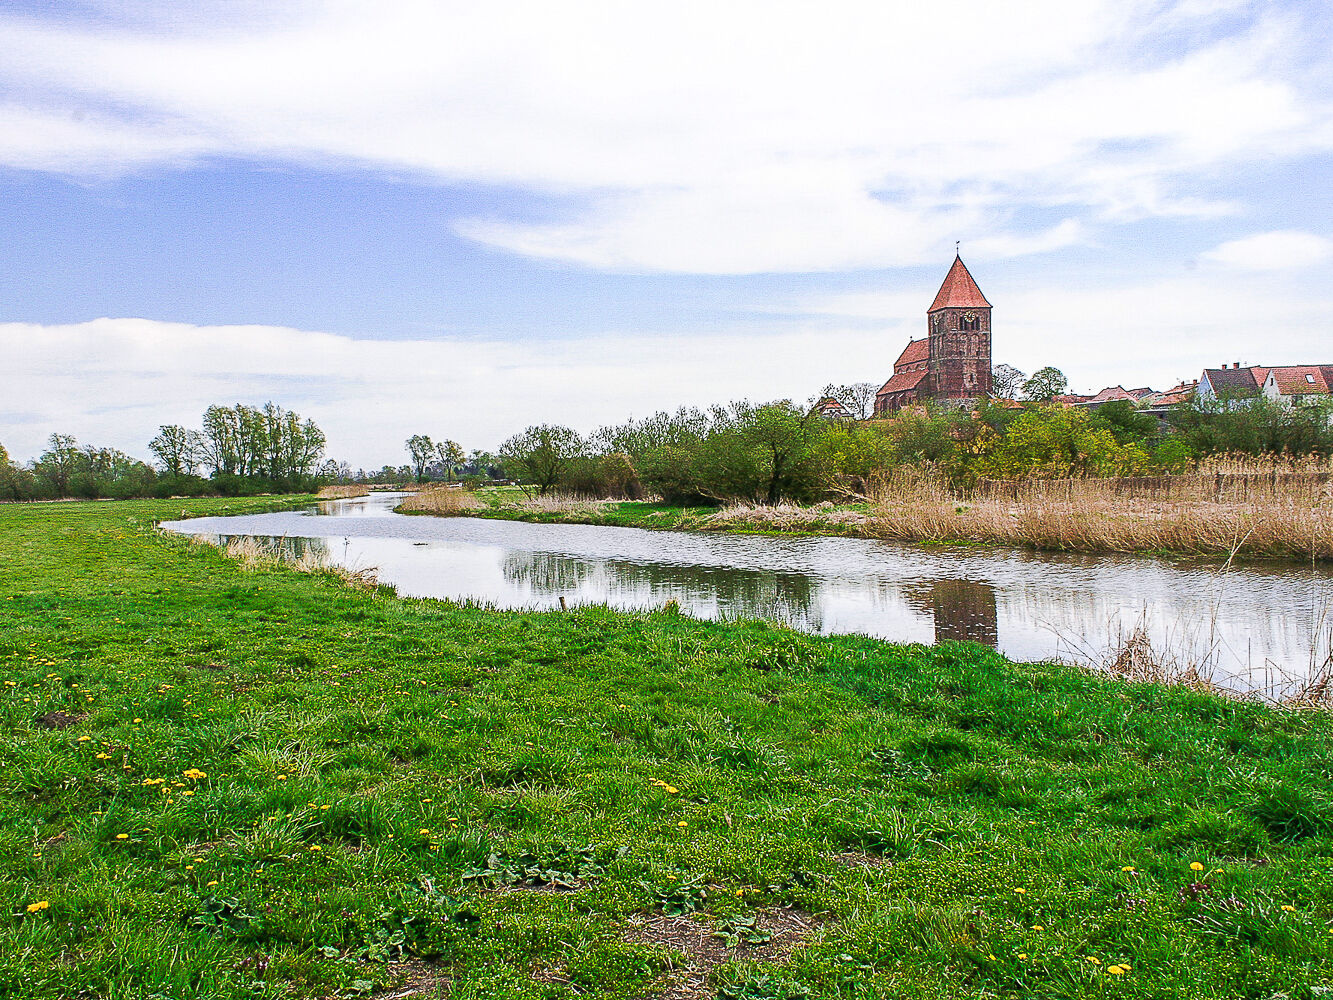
(1249, 622)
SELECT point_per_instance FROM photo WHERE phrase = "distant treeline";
(240, 450)
(771, 452)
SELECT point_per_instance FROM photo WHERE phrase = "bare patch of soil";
(693, 937)
(417, 978)
(59, 720)
(860, 859)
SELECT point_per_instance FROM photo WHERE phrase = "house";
(1299, 385)
(1110, 394)
(1233, 384)
(952, 363)
(831, 409)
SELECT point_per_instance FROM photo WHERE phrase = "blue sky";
(458, 219)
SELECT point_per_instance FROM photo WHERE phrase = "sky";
(459, 219)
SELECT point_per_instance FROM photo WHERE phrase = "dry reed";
(440, 500)
(342, 492)
(1275, 519)
(255, 554)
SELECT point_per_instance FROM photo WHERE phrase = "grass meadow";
(227, 782)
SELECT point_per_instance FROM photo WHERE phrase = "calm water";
(1252, 627)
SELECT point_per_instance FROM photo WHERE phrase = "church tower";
(958, 322)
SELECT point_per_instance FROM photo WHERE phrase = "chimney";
(1237, 364)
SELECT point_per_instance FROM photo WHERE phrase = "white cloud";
(1277, 251)
(113, 381)
(704, 137)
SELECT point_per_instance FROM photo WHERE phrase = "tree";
(1007, 381)
(59, 462)
(542, 454)
(177, 449)
(450, 455)
(1057, 442)
(421, 449)
(1045, 384)
(858, 398)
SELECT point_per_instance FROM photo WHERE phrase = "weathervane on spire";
(956, 251)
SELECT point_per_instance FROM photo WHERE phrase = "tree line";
(779, 451)
(237, 450)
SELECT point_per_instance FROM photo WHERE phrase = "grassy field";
(1284, 522)
(228, 783)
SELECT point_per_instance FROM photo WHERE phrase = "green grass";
(380, 774)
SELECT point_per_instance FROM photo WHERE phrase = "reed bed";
(1090, 515)
(440, 500)
(342, 492)
(258, 554)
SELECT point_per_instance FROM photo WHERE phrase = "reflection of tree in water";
(963, 610)
(786, 597)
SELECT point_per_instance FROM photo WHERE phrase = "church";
(952, 363)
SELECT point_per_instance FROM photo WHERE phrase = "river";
(1258, 627)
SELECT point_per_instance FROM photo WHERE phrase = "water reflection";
(963, 610)
(1251, 623)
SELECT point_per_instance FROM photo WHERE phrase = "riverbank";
(225, 782)
(1094, 520)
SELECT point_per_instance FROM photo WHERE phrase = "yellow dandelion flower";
(991, 957)
(316, 847)
(1128, 868)
(103, 756)
(41, 904)
(1115, 970)
(1195, 866)
(214, 882)
(137, 721)
(1094, 960)
(1038, 927)
(1022, 956)
(1020, 892)
(282, 777)
(682, 823)
(423, 831)
(83, 739)
(194, 774)
(189, 868)
(1288, 909)
(122, 836)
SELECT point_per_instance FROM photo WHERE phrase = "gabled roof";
(959, 291)
(1069, 398)
(915, 351)
(1111, 393)
(1304, 380)
(1237, 380)
(1181, 393)
(901, 382)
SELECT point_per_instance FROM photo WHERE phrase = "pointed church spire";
(959, 290)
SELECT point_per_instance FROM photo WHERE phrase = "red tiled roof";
(901, 382)
(1303, 380)
(1069, 399)
(959, 291)
(1181, 393)
(1111, 392)
(915, 352)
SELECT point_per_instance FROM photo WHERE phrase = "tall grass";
(348, 492)
(1276, 517)
(440, 500)
(260, 554)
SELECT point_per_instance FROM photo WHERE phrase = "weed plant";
(220, 782)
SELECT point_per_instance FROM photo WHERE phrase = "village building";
(951, 365)
(1234, 383)
(1299, 385)
(831, 409)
